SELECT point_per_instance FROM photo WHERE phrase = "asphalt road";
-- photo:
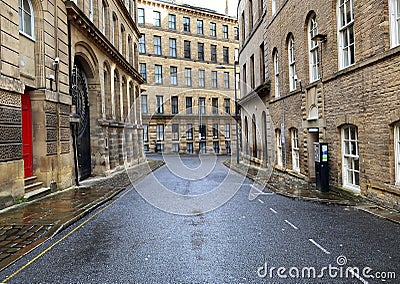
(171, 228)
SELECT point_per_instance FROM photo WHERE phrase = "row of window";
(188, 82)
(187, 49)
(160, 132)
(346, 42)
(172, 24)
(175, 147)
(189, 105)
(350, 154)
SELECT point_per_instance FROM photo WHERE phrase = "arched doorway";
(80, 100)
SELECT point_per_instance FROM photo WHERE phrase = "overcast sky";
(217, 5)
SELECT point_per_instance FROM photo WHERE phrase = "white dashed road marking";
(273, 210)
(319, 246)
(291, 225)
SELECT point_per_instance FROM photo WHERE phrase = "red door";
(27, 153)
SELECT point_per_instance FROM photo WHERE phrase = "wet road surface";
(223, 239)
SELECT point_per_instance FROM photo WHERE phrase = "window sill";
(27, 36)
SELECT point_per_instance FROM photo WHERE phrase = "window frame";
(214, 103)
(188, 77)
(173, 73)
(157, 18)
(350, 159)
(394, 18)
(200, 27)
(175, 132)
(157, 45)
(189, 107)
(186, 24)
(276, 75)
(200, 51)
(202, 105)
(345, 29)
(397, 153)
(202, 78)
(313, 50)
(294, 133)
(187, 53)
(158, 78)
(159, 104)
(189, 131)
(172, 21)
(279, 148)
(292, 65)
(142, 44)
(144, 104)
(145, 133)
(21, 19)
(225, 33)
(227, 131)
(141, 16)
(143, 71)
(213, 29)
(227, 106)
(226, 80)
(160, 132)
(213, 51)
(214, 79)
(225, 55)
(172, 48)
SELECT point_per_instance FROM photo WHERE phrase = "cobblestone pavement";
(25, 226)
(294, 188)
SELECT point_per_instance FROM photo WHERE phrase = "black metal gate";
(80, 100)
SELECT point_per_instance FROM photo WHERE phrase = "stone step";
(30, 180)
(33, 186)
(37, 193)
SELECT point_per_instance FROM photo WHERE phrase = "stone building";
(61, 59)
(186, 55)
(334, 72)
(254, 85)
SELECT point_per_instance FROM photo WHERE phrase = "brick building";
(187, 100)
(334, 73)
(62, 58)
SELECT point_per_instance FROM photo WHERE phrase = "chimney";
(226, 8)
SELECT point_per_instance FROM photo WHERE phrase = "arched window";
(276, 74)
(292, 65)
(313, 50)
(26, 17)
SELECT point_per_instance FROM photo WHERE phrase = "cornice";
(83, 23)
(191, 10)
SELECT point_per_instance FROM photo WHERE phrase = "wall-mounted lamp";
(319, 37)
(51, 78)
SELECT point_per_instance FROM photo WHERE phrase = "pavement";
(25, 226)
(279, 183)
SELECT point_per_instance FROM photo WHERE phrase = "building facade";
(61, 60)
(254, 85)
(186, 55)
(334, 73)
